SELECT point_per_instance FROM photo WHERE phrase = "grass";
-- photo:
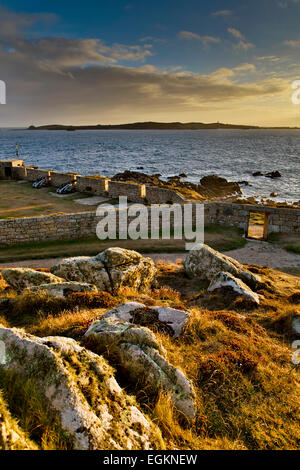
(12, 437)
(25, 201)
(247, 388)
(288, 241)
(27, 404)
(294, 248)
(223, 238)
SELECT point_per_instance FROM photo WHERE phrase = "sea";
(232, 154)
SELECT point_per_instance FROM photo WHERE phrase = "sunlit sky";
(117, 61)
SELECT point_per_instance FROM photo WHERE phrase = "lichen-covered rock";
(12, 437)
(22, 278)
(226, 282)
(85, 269)
(109, 270)
(79, 388)
(205, 263)
(65, 288)
(140, 356)
(163, 319)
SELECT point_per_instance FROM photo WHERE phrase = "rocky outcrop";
(270, 174)
(79, 389)
(210, 186)
(227, 283)
(21, 278)
(218, 185)
(205, 263)
(163, 319)
(64, 288)
(273, 174)
(141, 358)
(109, 270)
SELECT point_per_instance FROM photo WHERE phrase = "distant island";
(152, 126)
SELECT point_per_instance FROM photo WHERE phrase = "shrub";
(92, 299)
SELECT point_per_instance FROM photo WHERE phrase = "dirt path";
(255, 252)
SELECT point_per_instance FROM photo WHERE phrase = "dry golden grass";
(12, 437)
(247, 388)
(25, 402)
(71, 324)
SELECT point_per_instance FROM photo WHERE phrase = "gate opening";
(8, 172)
(257, 225)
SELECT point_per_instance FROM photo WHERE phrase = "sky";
(118, 61)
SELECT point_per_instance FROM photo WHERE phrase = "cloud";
(245, 68)
(152, 39)
(13, 24)
(292, 43)
(222, 13)
(271, 58)
(242, 44)
(55, 79)
(204, 39)
(60, 53)
(39, 95)
(226, 74)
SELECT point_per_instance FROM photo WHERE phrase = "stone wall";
(33, 174)
(97, 186)
(7, 168)
(58, 179)
(162, 196)
(19, 173)
(83, 225)
(134, 192)
(101, 186)
(279, 219)
(60, 227)
(56, 227)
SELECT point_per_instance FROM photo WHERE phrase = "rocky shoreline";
(210, 188)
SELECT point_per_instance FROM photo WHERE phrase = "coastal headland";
(150, 125)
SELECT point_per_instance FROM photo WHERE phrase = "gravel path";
(255, 252)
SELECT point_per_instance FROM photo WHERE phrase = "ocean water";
(233, 154)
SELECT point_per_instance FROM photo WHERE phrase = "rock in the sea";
(226, 282)
(141, 358)
(78, 388)
(274, 194)
(163, 319)
(63, 289)
(257, 173)
(109, 270)
(21, 278)
(205, 263)
(273, 174)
